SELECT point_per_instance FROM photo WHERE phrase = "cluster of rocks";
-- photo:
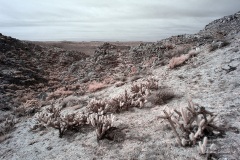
(223, 27)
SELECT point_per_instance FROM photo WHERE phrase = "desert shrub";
(7, 125)
(213, 47)
(60, 92)
(216, 45)
(123, 102)
(95, 86)
(137, 88)
(30, 107)
(178, 51)
(177, 61)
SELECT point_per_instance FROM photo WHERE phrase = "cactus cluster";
(195, 124)
(101, 122)
(52, 117)
(135, 98)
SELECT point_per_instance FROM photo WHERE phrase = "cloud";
(108, 19)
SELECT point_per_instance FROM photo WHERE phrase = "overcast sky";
(109, 20)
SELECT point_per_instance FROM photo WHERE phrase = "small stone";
(49, 148)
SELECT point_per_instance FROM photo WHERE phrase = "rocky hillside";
(27, 70)
(177, 98)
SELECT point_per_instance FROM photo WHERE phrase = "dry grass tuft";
(7, 125)
(28, 108)
(95, 86)
(63, 91)
(177, 61)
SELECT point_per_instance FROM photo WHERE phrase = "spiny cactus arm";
(192, 138)
(203, 146)
(168, 117)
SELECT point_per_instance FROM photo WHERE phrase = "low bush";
(7, 125)
(95, 86)
(177, 61)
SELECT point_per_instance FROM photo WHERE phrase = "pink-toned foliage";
(176, 61)
(94, 86)
(59, 92)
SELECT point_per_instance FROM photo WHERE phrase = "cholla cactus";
(73, 121)
(102, 123)
(185, 116)
(96, 105)
(138, 89)
(117, 104)
(46, 117)
(152, 83)
(193, 122)
(136, 98)
(203, 146)
(52, 117)
(144, 87)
